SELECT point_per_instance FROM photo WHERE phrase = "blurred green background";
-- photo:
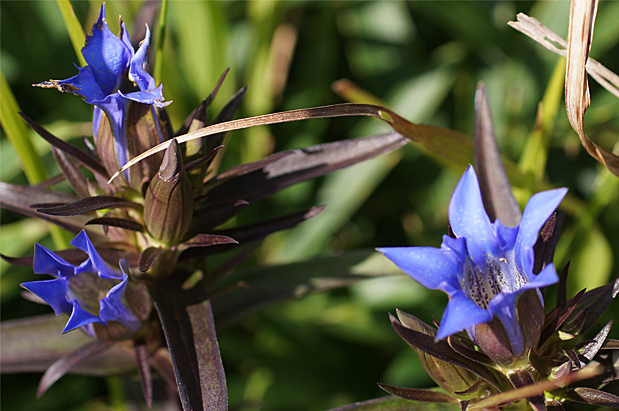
(424, 60)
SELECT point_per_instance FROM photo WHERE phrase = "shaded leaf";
(66, 363)
(419, 395)
(141, 359)
(268, 285)
(19, 199)
(496, 192)
(207, 240)
(148, 257)
(395, 404)
(89, 162)
(118, 222)
(586, 395)
(86, 205)
(71, 173)
(34, 344)
(591, 349)
(189, 330)
(523, 378)
(596, 302)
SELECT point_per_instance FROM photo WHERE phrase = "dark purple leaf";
(19, 199)
(52, 181)
(199, 114)
(74, 177)
(544, 248)
(148, 257)
(442, 351)
(188, 326)
(418, 395)
(540, 365)
(202, 160)
(562, 287)
(212, 215)
(207, 240)
(523, 378)
(469, 353)
(557, 317)
(146, 382)
(66, 363)
(294, 166)
(496, 192)
(611, 345)
(118, 222)
(596, 302)
(392, 403)
(89, 162)
(86, 205)
(225, 114)
(586, 395)
(590, 350)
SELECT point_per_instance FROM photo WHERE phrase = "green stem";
(157, 72)
(74, 28)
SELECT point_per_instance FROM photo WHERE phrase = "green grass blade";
(18, 135)
(74, 28)
(160, 38)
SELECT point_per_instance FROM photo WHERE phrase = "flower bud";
(168, 206)
(141, 133)
(492, 337)
(451, 378)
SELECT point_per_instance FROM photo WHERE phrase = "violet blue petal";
(80, 317)
(113, 307)
(53, 292)
(94, 263)
(46, 262)
(460, 314)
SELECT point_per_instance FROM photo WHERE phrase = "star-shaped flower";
(109, 58)
(486, 267)
(92, 292)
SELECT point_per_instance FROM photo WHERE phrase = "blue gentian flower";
(110, 58)
(486, 267)
(92, 292)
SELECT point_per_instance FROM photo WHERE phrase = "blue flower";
(487, 267)
(92, 292)
(110, 58)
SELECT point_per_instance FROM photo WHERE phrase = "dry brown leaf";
(576, 50)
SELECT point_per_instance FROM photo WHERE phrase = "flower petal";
(548, 276)
(503, 306)
(80, 317)
(46, 262)
(113, 307)
(136, 69)
(106, 54)
(539, 208)
(468, 218)
(460, 314)
(124, 37)
(97, 114)
(116, 107)
(94, 263)
(83, 84)
(53, 292)
(154, 96)
(434, 268)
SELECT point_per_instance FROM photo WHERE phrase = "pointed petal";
(153, 96)
(125, 38)
(504, 307)
(53, 292)
(434, 268)
(106, 54)
(539, 208)
(546, 277)
(136, 69)
(116, 107)
(460, 314)
(80, 317)
(84, 84)
(114, 309)
(96, 120)
(468, 218)
(94, 263)
(46, 262)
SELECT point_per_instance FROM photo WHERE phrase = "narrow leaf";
(496, 192)
(86, 205)
(148, 258)
(418, 395)
(66, 363)
(118, 222)
(396, 404)
(590, 350)
(71, 173)
(89, 162)
(586, 395)
(141, 359)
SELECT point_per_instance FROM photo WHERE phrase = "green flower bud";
(168, 206)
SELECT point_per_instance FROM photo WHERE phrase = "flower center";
(497, 276)
(88, 288)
